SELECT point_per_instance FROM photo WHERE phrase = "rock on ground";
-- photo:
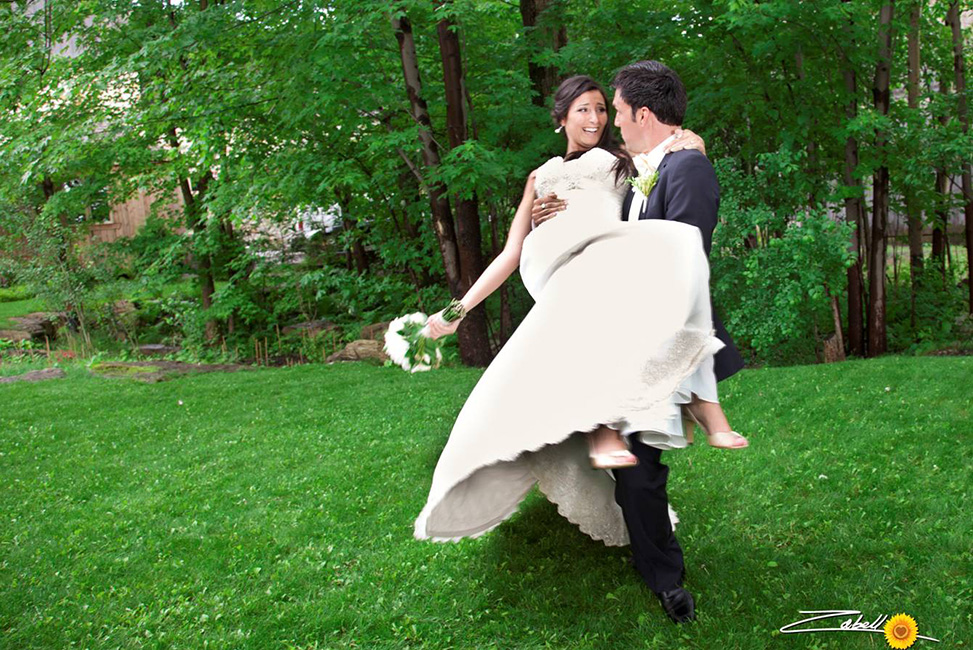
(34, 375)
(15, 335)
(360, 350)
(375, 331)
(158, 350)
(310, 327)
(38, 325)
(152, 372)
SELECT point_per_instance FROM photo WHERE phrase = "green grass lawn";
(274, 509)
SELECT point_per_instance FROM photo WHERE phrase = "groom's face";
(633, 133)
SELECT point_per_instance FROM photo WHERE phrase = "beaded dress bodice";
(593, 211)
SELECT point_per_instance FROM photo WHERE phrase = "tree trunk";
(854, 215)
(940, 218)
(959, 71)
(877, 342)
(543, 79)
(195, 222)
(506, 321)
(473, 334)
(193, 210)
(912, 208)
(812, 146)
(442, 217)
(940, 221)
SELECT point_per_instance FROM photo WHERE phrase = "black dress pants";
(640, 491)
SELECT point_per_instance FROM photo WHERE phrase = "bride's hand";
(686, 139)
(436, 326)
(546, 207)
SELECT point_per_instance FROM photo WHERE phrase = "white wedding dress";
(620, 334)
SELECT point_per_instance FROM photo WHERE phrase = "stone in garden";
(122, 307)
(34, 375)
(360, 350)
(310, 327)
(375, 331)
(15, 335)
(38, 325)
(158, 349)
(152, 372)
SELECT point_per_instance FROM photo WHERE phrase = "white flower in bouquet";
(409, 347)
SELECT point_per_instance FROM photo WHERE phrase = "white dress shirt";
(645, 163)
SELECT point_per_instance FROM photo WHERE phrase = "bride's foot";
(607, 450)
(723, 438)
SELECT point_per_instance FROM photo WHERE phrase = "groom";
(650, 103)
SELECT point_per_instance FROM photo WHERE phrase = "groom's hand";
(546, 207)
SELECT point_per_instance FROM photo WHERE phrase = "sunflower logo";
(901, 631)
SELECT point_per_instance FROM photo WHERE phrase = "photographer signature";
(848, 625)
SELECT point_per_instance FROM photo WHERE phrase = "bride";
(620, 331)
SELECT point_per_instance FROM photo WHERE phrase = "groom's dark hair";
(653, 85)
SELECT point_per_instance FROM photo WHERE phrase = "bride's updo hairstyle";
(569, 90)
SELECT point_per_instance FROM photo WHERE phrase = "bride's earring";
(559, 129)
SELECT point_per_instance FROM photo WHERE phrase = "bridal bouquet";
(409, 346)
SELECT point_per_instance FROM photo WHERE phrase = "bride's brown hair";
(569, 90)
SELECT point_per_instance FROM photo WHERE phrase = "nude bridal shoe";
(617, 459)
(719, 439)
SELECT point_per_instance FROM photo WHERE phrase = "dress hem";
(706, 347)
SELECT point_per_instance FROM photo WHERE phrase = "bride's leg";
(710, 414)
(712, 419)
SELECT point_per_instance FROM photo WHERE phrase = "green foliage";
(156, 250)
(262, 111)
(941, 317)
(55, 270)
(370, 298)
(773, 272)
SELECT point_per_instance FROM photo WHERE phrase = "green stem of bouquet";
(454, 311)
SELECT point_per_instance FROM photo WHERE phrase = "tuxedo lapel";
(627, 203)
(656, 193)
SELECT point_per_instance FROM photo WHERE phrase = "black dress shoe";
(678, 604)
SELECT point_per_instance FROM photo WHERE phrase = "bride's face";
(586, 121)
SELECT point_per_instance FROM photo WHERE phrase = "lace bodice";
(592, 172)
(594, 211)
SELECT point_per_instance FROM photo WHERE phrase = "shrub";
(774, 270)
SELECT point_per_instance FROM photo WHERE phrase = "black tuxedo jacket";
(687, 191)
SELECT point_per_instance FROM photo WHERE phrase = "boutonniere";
(645, 182)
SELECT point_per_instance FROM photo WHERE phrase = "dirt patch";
(35, 375)
(151, 372)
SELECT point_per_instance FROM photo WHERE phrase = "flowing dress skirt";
(617, 329)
